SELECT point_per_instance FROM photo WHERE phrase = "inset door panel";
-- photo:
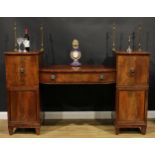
(23, 106)
(21, 69)
(132, 70)
(131, 105)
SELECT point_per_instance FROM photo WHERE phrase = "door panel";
(23, 106)
(132, 70)
(20, 70)
(131, 105)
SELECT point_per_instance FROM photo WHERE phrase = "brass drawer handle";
(22, 70)
(53, 77)
(132, 72)
(101, 77)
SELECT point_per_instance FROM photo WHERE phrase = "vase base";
(75, 64)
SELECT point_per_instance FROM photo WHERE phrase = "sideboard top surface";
(132, 53)
(23, 54)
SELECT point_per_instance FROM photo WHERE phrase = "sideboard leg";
(143, 130)
(37, 131)
(117, 131)
(10, 130)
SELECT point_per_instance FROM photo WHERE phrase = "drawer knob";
(101, 77)
(21, 70)
(53, 76)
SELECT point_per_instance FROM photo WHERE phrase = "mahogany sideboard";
(23, 76)
(22, 82)
(132, 90)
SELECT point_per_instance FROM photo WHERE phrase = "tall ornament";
(129, 50)
(139, 38)
(42, 38)
(15, 36)
(133, 41)
(114, 37)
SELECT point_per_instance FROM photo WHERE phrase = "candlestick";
(15, 36)
(139, 38)
(113, 37)
(42, 38)
(133, 41)
(129, 50)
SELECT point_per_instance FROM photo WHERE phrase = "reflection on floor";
(77, 129)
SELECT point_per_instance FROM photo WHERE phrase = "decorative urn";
(75, 53)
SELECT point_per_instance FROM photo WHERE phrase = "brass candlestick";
(15, 36)
(113, 37)
(129, 50)
(139, 38)
(42, 38)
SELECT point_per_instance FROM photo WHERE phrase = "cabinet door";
(22, 71)
(23, 106)
(132, 69)
(131, 105)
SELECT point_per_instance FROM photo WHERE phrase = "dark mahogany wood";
(132, 74)
(22, 80)
(65, 74)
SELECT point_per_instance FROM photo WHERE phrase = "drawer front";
(77, 78)
(22, 71)
(132, 70)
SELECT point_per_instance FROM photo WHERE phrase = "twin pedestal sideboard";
(24, 73)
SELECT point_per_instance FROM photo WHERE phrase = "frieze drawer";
(52, 77)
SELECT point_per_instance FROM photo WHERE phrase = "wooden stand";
(22, 78)
(132, 74)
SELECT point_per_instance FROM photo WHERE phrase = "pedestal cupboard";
(132, 74)
(22, 79)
